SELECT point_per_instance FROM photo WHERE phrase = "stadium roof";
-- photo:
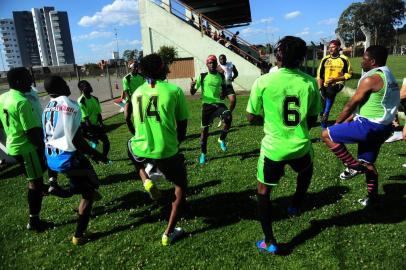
(228, 13)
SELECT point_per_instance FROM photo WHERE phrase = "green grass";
(333, 232)
(396, 63)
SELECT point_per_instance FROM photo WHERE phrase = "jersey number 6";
(291, 114)
(152, 108)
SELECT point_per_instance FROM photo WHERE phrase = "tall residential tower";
(42, 37)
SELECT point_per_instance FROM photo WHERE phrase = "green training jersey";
(131, 83)
(211, 88)
(17, 116)
(288, 97)
(156, 111)
(89, 107)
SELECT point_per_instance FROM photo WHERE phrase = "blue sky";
(92, 22)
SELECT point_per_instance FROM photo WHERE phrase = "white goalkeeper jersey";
(60, 122)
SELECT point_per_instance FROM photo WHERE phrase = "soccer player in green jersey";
(131, 82)
(24, 140)
(160, 120)
(214, 90)
(291, 103)
(92, 122)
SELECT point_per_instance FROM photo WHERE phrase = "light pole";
(118, 53)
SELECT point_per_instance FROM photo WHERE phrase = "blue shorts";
(368, 135)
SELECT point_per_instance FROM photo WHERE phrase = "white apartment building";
(10, 43)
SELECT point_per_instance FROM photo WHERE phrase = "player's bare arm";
(371, 84)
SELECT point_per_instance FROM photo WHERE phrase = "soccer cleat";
(172, 237)
(368, 201)
(93, 144)
(293, 211)
(261, 245)
(152, 190)
(57, 191)
(78, 241)
(404, 165)
(349, 173)
(396, 136)
(222, 144)
(39, 225)
(202, 159)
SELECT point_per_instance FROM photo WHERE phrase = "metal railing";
(199, 25)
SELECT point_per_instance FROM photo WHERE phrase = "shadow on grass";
(397, 177)
(242, 156)
(119, 177)
(10, 171)
(141, 199)
(225, 209)
(390, 210)
(111, 127)
(216, 132)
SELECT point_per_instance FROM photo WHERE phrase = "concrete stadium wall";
(158, 28)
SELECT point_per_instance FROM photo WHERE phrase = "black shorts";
(269, 171)
(211, 112)
(82, 177)
(228, 90)
(173, 167)
(93, 133)
(331, 91)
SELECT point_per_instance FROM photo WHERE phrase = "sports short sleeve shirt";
(60, 121)
(211, 88)
(333, 67)
(287, 97)
(17, 116)
(156, 111)
(89, 107)
(131, 83)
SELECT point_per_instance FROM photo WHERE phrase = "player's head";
(133, 66)
(19, 79)
(374, 56)
(56, 86)
(211, 63)
(222, 59)
(334, 47)
(154, 68)
(290, 51)
(85, 87)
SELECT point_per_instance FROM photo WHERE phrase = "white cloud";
(305, 32)
(112, 46)
(319, 33)
(120, 12)
(329, 21)
(93, 35)
(263, 20)
(251, 31)
(292, 15)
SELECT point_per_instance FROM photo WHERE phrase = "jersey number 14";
(151, 110)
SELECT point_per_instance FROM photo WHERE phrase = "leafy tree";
(379, 16)
(129, 55)
(168, 53)
(350, 22)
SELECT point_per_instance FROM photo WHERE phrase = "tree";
(383, 16)
(168, 54)
(129, 55)
(378, 16)
(350, 22)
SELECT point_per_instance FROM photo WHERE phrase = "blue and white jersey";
(60, 122)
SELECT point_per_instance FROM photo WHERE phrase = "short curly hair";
(290, 51)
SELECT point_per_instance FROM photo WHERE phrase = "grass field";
(333, 232)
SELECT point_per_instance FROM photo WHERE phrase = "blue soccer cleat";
(202, 159)
(261, 245)
(223, 145)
